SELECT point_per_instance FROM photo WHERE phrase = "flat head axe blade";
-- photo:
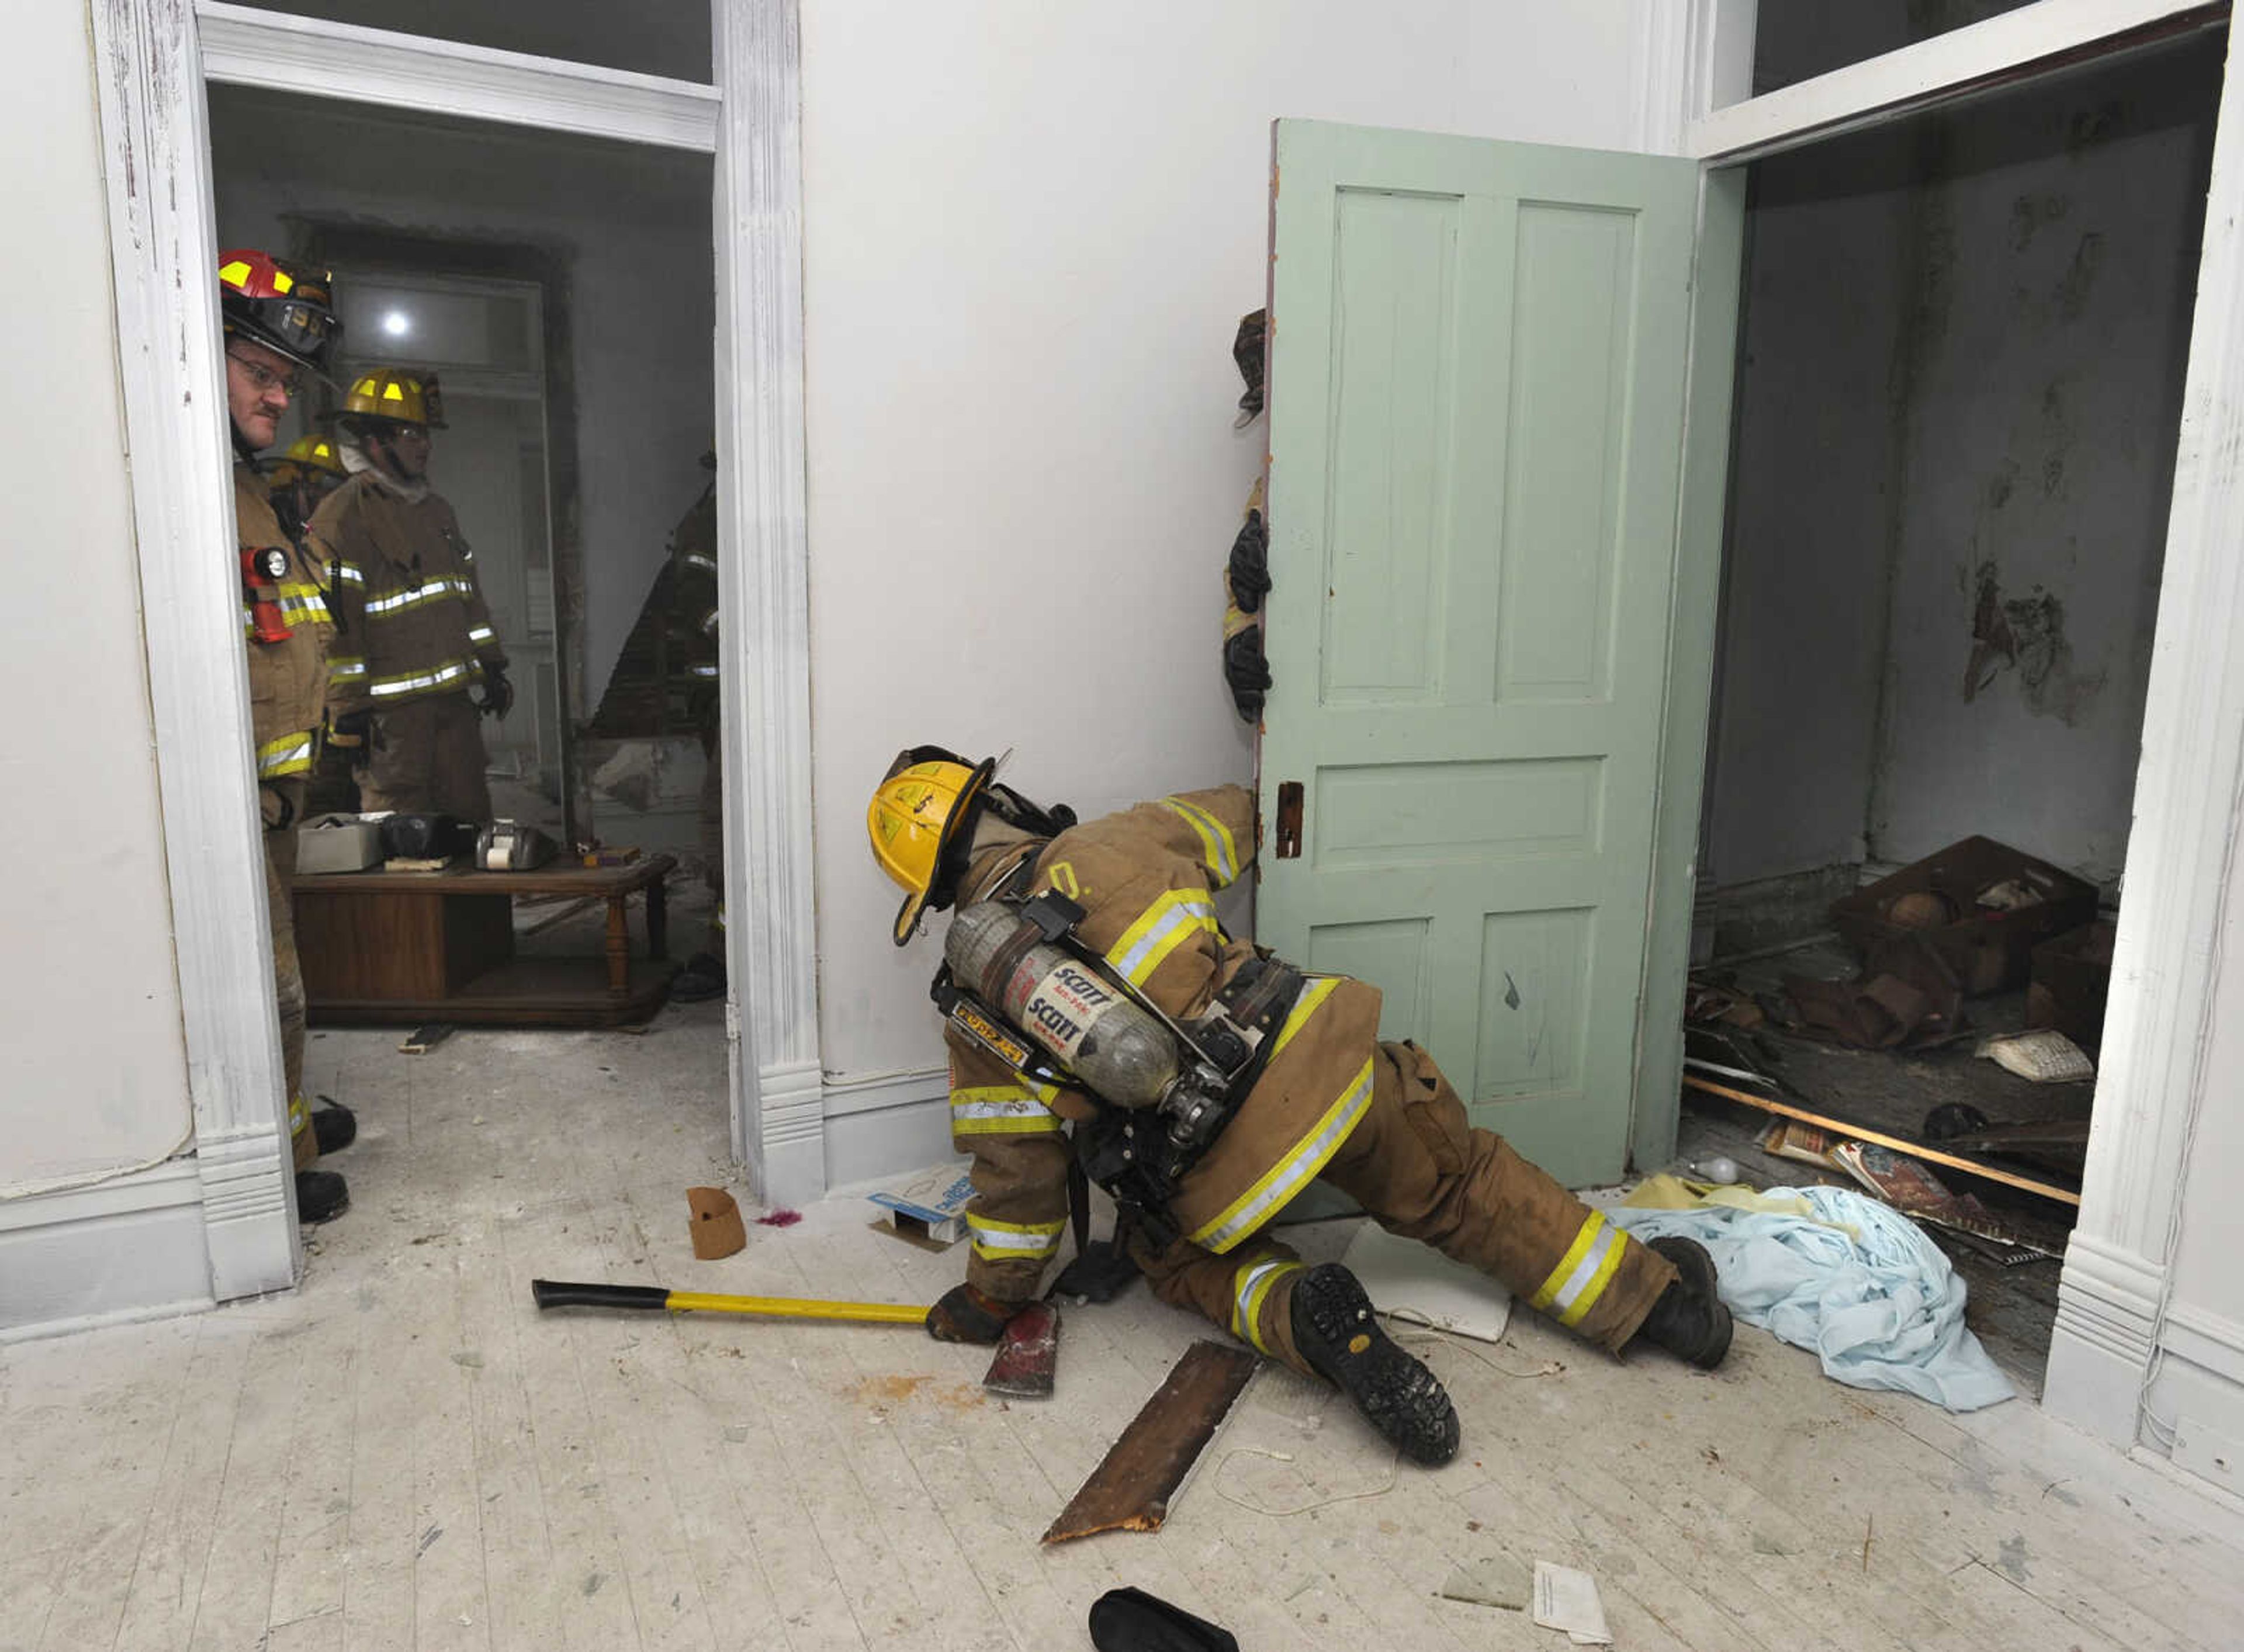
(1026, 1354)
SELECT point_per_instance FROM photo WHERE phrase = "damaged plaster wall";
(630, 226)
(2045, 336)
(1031, 233)
(94, 1074)
(1960, 389)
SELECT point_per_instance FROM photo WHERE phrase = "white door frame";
(2115, 1296)
(151, 57)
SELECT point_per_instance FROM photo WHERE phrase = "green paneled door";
(1476, 397)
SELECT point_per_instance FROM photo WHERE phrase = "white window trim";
(2014, 46)
(152, 59)
(244, 46)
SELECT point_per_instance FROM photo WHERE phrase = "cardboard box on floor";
(927, 1205)
(1998, 903)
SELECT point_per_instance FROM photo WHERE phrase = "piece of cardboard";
(928, 1204)
(1407, 1280)
(337, 843)
(717, 1230)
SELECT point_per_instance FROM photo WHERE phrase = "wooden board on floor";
(1899, 1144)
(1129, 1489)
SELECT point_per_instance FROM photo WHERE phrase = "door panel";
(1477, 394)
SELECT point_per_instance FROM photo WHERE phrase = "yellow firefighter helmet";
(919, 819)
(312, 452)
(400, 397)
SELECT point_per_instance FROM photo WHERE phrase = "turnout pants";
(428, 759)
(287, 973)
(1421, 1170)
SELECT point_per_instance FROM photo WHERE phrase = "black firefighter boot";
(1688, 1320)
(1337, 1333)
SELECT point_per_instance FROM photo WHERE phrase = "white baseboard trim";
(132, 1248)
(2107, 1306)
(882, 1090)
(887, 1125)
(792, 1130)
(248, 1200)
(2209, 1341)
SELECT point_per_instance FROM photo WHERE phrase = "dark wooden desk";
(439, 946)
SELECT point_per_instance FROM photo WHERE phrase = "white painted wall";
(92, 1063)
(632, 225)
(1030, 233)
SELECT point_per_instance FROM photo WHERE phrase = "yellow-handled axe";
(561, 1293)
(1022, 1367)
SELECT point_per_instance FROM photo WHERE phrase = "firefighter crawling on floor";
(1087, 981)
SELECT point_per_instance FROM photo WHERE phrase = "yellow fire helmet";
(924, 804)
(313, 452)
(394, 393)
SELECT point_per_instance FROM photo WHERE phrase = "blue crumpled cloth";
(1883, 1310)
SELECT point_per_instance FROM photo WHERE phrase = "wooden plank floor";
(404, 1454)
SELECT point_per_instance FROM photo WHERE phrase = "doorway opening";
(560, 290)
(1959, 382)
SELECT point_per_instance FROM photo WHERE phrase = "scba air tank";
(1120, 1053)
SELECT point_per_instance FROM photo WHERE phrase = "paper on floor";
(1498, 1580)
(1405, 1280)
(1566, 1599)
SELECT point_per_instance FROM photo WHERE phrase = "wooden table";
(381, 946)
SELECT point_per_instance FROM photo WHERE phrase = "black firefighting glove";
(965, 1314)
(499, 693)
(1247, 671)
(1250, 564)
(355, 733)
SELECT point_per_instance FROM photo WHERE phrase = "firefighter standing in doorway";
(416, 637)
(308, 471)
(693, 554)
(1330, 1100)
(280, 323)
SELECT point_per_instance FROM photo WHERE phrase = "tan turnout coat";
(1146, 878)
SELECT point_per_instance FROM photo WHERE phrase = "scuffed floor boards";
(404, 1454)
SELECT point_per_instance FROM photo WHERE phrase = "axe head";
(1026, 1354)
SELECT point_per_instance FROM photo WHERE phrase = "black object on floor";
(320, 1195)
(702, 979)
(1132, 1620)
(334, 1126)
(1100, 1273)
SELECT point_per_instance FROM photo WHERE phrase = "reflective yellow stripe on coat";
(1220, 853)
(290, 755)
(995, 1241)
(391, 602)
(411, 683)
(1244, 1214)
(1583, 1272)
(1003, 1109)
(1297, 1168)
(1173, 918)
